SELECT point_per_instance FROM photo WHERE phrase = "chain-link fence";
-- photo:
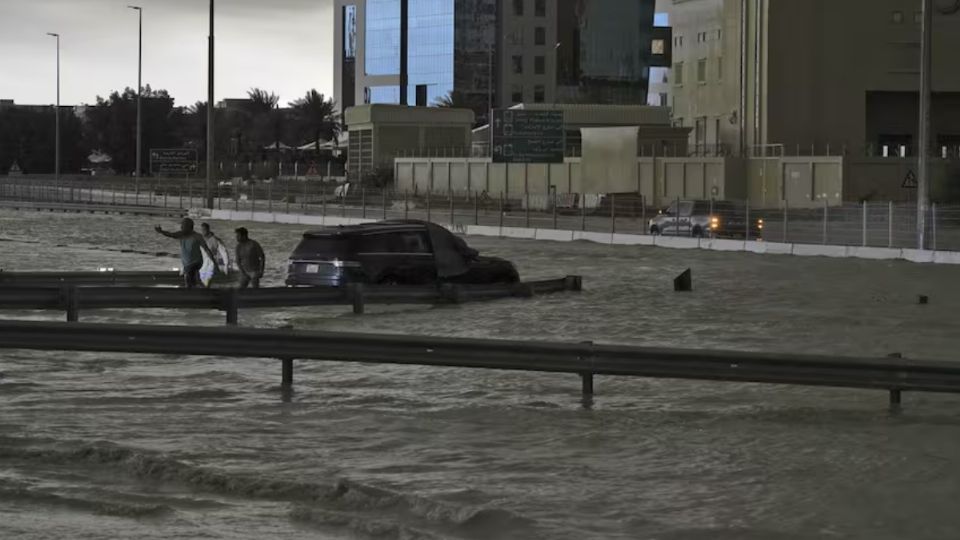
(873, 224)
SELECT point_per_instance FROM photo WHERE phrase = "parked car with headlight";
(700, 218)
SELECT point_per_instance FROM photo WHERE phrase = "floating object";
(684, 282)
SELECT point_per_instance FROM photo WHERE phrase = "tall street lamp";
(139, 170)
(56, 159)
(923, 170)
(210, 138)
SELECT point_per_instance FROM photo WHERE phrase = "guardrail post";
(428, 205)
(406, 204)
(573, 283)
(746, 233)
(68, 297)
(453, 216)
(363, 203)
(356, 297)
(383, 195)
(526, 215)
(825, 203)
(583, 212)
(895, 398)
(786, 224)
(586, 377)
(231, 304)
(286, 380)
(613, 213)
(476, 208)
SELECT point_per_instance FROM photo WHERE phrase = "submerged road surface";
(116, 446)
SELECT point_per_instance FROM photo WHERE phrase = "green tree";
(28, 138)
(111, 126)
(316, 118)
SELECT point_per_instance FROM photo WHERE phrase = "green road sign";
(528, 136)
(174, 161)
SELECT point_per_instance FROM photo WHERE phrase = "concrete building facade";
(784, 76)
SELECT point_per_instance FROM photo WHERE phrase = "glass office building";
(603, 51)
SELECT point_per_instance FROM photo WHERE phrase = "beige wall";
(818, 61)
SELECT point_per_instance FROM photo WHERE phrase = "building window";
(540, 8)
(658, 46)
(702, 70)
(896, 17)
(678, 74)
(539, 93)
(540, 65)
(516, 95)
(518, 8)
(540, 36)
(517, 64)
(720, 68)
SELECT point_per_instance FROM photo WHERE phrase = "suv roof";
(367, 228)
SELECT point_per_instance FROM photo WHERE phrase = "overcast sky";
(284, 46)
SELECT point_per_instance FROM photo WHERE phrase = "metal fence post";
(476, 208)
(303, 203)
(286, 194)
(363, 203)
(406, 204)
(933, 223)
(270, 196)
(746, 234)
(824, 220)
(786, 220)
(428, 205)
(890, 225)
(501, 211)
(526, 214)
(583, 212)
(864, 223)
(613, 213)
(553, 203)
(453, 220)
(383, 196)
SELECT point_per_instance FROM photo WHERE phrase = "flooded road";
(114, 446)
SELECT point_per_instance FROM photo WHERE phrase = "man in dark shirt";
(192, 248)
(250, 260)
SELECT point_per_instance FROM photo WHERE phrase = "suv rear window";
(322, 248)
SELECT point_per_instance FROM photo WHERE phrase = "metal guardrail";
(40, 279)
(892, 374)
(72, 299)
(95, 207)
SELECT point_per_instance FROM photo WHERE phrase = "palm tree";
(261, 101)
(453, 99)
(317, 116)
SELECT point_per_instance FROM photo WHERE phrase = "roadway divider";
(892, 374)
(72, 299)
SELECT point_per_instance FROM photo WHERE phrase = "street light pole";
(923, 150)
(56, 160)
(139, 170)
(210, 116)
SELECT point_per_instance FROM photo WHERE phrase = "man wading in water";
(250, 260)
(192, 248)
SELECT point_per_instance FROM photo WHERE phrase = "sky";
(283, 46)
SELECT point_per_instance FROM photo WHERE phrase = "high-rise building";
(485, 54)
(773, 76)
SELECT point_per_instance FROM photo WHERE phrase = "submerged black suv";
(406, 252)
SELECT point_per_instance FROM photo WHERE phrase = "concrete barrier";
(720, 244)
(878, 254)
(554, 236)
(518, 232)
(946, 257)
(483, 230)
(918, 256)
(631, 240)
(768, 248)
(813, 250)
(676, 242)
(597, 238)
